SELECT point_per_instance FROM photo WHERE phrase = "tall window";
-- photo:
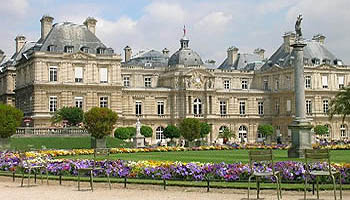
(159, 133)
(227, 84)
(242, 134)
(160, 108)
(138, 108)
(261, 108)
(343, 132)
(266, 84)
(324, 81)
(223, 108)
(103, 75)
(244, 83)
(289, 105)
(197, 107)
(148, 81)
(325, 106)
(277, 84)
(307, 81)
(78, 74)
(126, 81)
(308, 107)
(53, 103)
(78, 102)
(53, 74)
(340, 82)
(242, 108)
(104, 102)
(277, 107)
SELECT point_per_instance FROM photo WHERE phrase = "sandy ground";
(68, 191)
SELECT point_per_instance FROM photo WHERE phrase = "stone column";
(301, 127)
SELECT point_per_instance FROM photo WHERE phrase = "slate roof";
(245, 61)
(186, 57)
(151, 58)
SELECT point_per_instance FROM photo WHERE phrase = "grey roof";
(151, 58)
(245, 61)
(69, 34)
(186, 57)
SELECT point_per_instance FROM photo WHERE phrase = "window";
(261, 108)
(277, 84)
(244, 84)
(242, 134)
(197, 107)
(148, 82)
(126, 81)
(266, 85)
(242, 108)
(78, 74)
(160, 108)
(51, 48)
(68, 49)
(138, 108)
(308, 104)
(85, 49)
(103, 75)
(103, 102)
(223, 108)
(324, 81)
(53, 103)
(289, 105)
(227, 84)
(343, 132)
(159, 133)
(53, 74)
(325, 106)
(341, 82)
(101, 50)
(277, 107)
(78, 102)
(307, 81)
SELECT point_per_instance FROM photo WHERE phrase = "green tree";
(340, 104)
(10, 119)
(132, 131)
(227, 134)
(73, 115)
(266, 129)
(205, 129)
(122, 133)
(100, 121)
(146, 131)
(321, 130)
(190, 129)
(171, 131)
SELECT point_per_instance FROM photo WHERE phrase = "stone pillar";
(301, 127)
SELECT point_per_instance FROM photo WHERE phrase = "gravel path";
(68, 191)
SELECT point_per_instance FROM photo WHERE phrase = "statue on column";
(298, 32)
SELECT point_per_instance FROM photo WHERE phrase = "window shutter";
(324, 80)
(341, 80)
(103, 75)
(79, 72)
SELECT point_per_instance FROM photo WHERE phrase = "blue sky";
(212, 25)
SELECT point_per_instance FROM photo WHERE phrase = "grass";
(61, 143)
(227, 156)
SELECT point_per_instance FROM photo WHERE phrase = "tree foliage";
(146, 131)
(227, 134)
(321, 129)
(266, 129)
(171, 131)
(10, 119)
(132, 131)
(100, 121)
(122, 133)
(190, 129)
(205, 129)
(73, 115)
(340, 104)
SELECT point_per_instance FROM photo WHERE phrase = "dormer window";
(306, 61)
(101, 51)
(84, 49)
(326, 61)
(51, 48)
(315, 61)
(68, 49)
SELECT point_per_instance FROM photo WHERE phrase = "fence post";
(208, 185)
(164, 184)
(124, 182)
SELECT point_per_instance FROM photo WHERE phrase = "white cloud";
(15, 8)
(215, 22)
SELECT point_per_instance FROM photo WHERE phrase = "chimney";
(128, 52)
(289, 39)
(232, 55)
(90, 23)
(319, 38)
(20, 41)
(46, 25)
(165, 52)
(260, 53)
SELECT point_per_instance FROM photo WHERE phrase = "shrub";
(132, 131)
(321, 130)
(190, 129)
(10, 119)
(99, 122)
(122, 133)
(73, 115)
(146, 131)
(266, 129)
(171, 131)
(205, 129)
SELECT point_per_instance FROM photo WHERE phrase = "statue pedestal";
(139, 142)
(301, 138)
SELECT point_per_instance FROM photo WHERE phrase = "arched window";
(197, 107)
(222, 128)
(159, 133)
(242, 133)
(343, 131)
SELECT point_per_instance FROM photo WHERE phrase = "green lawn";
(61, 143)
(227, 156)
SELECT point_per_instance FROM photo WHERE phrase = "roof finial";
(184, 30)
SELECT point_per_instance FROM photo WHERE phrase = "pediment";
(274, 68)
(201, 72)
(79, 55)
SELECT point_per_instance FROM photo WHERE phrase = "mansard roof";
(245, 61)
(151, 58)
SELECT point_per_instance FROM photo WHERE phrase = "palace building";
(70, 66)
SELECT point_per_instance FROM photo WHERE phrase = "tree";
(132, 131)
(122, 133)
(340, 104)
(10, 119)
(171, 132)
(146, 131)
(100, 121)
(321, 130)
(190, 129)
(266, 129)
(227, 134)
(73, 115)
(205, 129)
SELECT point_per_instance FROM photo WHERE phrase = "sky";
(211, 25)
